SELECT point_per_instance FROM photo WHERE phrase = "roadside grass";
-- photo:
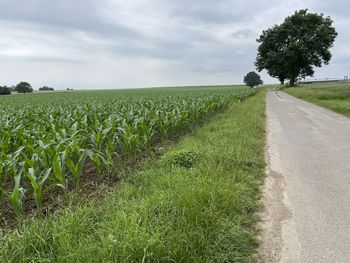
(198, 203)
(335, 97)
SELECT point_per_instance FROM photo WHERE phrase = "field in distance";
(334, 96)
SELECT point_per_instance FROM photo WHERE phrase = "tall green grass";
(334, 96)
(198, 203)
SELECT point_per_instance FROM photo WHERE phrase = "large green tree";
(24, 87)
(252, 79)
(292, 50)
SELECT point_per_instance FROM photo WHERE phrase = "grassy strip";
(335, 97)
(197, 204)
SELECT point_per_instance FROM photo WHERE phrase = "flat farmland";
(47, 141)
(196, 202)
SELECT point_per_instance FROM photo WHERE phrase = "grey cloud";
(164, 42)
(57, 13)
(218, 12)
(207, 15)
(243, 33)
(63, 15)
(31, 59)
(339, 8)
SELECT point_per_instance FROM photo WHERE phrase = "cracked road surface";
(307, 192)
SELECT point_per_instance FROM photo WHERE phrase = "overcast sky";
(138, 43)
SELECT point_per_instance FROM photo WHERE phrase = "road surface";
(307, 193)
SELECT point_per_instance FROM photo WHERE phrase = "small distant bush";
(45, 88)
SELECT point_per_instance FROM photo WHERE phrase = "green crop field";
(334, 96)
(48, 141)
(197, 202)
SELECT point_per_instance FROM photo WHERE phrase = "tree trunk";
(281, 79)
(292, 82)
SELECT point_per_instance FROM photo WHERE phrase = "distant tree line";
(4, 90)
(45, 88)
(22, 87)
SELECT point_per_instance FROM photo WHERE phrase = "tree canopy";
(24, 87)
(45, 88)
(5, 90)
(252, 79)
(292, 50)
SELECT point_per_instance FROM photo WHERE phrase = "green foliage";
(252, 79)
(45, 88)
(166, 213)
(23, 87)
(5, 90)
(37, 184)
(291, 50)
(332, 96)
(186, 159)
(47, 140)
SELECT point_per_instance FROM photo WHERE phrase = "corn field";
(47, 140)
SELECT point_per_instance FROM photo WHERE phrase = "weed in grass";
(186, 159)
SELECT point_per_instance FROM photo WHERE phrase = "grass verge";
(197, 204)
(335, 97)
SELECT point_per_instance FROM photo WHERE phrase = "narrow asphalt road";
(307, 193)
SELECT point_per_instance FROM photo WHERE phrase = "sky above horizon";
(85, 44)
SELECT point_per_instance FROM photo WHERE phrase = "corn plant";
(59, 170)
(76, 165)
(37, 184)
(16, 196)
(47, 141)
